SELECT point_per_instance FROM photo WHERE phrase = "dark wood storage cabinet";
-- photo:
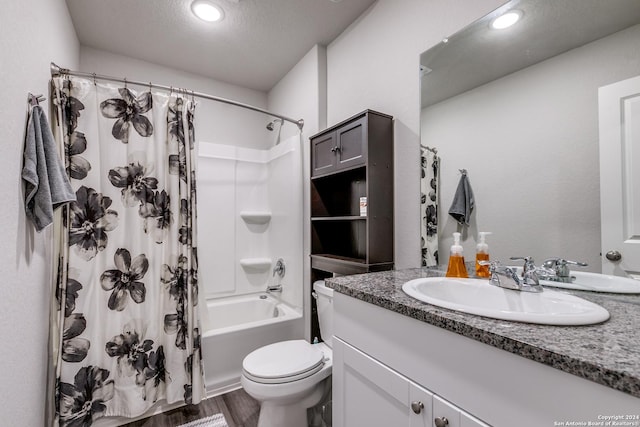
(351, 160)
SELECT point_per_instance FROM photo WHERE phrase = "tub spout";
(274, 288)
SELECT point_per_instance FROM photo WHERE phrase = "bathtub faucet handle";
(279, 269)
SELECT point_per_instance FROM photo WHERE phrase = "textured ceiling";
(255, 45)
(477, 54)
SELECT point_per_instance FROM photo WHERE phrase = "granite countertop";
(607, 353)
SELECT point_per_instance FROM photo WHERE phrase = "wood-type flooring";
(239, 409)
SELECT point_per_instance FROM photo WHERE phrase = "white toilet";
(289, 377)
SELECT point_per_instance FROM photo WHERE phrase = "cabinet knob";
(417, 407)
(614, 256)
(441, 422)
(335, 149)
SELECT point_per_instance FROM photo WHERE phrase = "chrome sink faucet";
(560, 269)
(507, 277)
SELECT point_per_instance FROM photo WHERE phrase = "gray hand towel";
(46, 183)
(463, 201)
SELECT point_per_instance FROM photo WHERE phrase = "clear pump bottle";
(456, 266)
(482, 254)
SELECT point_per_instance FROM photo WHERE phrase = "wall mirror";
(518, 109)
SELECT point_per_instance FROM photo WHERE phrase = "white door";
(619, 112)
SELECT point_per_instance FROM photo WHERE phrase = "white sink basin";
(476, 296)
(596, 283)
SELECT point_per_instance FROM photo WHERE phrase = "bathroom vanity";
(401, 362)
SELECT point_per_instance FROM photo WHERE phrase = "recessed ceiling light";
(206, 11)
(506, 20)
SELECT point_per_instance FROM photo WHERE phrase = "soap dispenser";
(482, 254)
(456, 266)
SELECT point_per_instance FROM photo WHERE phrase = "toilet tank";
(324, 302)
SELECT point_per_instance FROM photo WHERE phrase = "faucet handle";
(529, 263)
(560, 262)
(551, 262)
(559, 265)
(279, 268)
(496, 267)
(578, 263)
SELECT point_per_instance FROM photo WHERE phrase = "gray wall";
(32, 34)
(374, 64)
(215, 122)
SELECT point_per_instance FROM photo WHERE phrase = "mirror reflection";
(518, 109)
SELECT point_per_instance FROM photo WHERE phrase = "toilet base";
(293, 414)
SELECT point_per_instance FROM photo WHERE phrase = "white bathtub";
(237, 326)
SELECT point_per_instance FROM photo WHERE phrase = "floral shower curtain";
(126, 330)
(430, 164)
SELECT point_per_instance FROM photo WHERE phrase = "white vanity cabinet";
(446, 414)
(384, 361)
(368, 393)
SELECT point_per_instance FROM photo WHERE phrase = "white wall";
(374, 64)
(32, 34)
(285, 190)
(233, 180)
(302, 93)
(530, 144)
(215, 122)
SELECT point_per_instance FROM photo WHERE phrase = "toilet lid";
(283, 361)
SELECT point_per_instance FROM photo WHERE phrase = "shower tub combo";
(239, 325)
(246, 221)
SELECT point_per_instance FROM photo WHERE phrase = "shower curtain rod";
(57, 71)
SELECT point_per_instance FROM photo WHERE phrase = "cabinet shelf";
(255, 264)
(256, 217)
(346, 265)
(339, 218)
(356, 169)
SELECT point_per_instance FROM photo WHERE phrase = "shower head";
(271, 125)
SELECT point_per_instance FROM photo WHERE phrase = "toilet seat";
(283, 362)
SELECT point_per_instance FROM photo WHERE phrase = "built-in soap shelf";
(256, 264)
(256, 217)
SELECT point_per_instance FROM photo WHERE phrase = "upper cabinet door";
(352, 144)
(323, 154)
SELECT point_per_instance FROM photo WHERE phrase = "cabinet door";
(367, 393)
(352, 144)
(455, 417)
(444, 410)
(420, 405)
(467, 420)
(323, 154)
